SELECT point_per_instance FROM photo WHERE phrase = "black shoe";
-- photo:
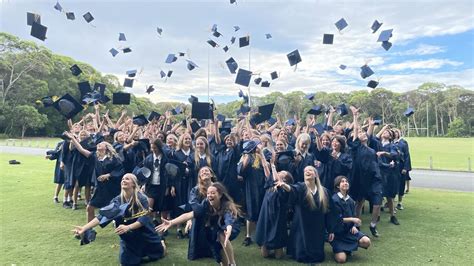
(74, 206)
(400, 206)
(55, 200)
(378, 219)
(374, 232)
(67, 205)
(394, 220)
(179, 234)
(247, 241)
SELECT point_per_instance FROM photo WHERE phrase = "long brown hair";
(207, 151)
(202, 186)
(227, 203)
(322, 198)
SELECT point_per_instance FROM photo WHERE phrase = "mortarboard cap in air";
(342, 67)
(264, 113)
(202, 110)
(241, 93)
(162, 74)
(226, 48)
(232, 40)
(342, 110)
(170, 72)
(232, 65)
(126, 50)
(221, 117)
(216, 34)
(58, 7)
(128, 83)
(75, 70)
(88, 17)
(193, 99)
(316, 110)
(385, 35)
(244, 108)
(268, 36)
(319, 128)
(31, 18)
(84, 88)
(257, 80)
(328, 38)
(236, 28)
(195, 126)
(153, 115)
(171, 58)
(376, 26)
(70, 15)
(366, 71)
(243, 77)
(294, 57)
(177, 110)
(38, 31)
(47, 101)
(131, 73)
(386, 45)
(122, 37)
(150, 89)
(310, 96)
(113, 51)
(373, 84)
(212, 43)
(265, 84)
(409, 112)
(191, 65)
(274, 75)
(68, 106)
(121, 98)
(140, 120)
(244, 41)
(341, 24)
(377, 121)
(159, 30)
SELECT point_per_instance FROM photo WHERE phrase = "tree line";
(29, 72)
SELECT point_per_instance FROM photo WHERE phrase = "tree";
(28, 117)
(457, 128)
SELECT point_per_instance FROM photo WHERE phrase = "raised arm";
(78, 145)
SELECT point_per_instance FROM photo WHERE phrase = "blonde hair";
(322, 197)
(181, 140)
(303, 137)
(207, 151)
(109, 150)
(202, 186)
(134, 201)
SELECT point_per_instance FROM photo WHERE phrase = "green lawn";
(31, 142)
(436, 227)
(446, 153)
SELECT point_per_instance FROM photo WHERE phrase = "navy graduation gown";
(309, 227)
(141, 242)
(184, 184)
(198, 243)
(333, 168)
(300, 165)
(390, 175)
(56, 154)
(225, 167)
(271, 229)
(254, 181)
(106, 190)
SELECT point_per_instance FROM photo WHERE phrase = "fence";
(47, 144)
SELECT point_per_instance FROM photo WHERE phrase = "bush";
(457, 128)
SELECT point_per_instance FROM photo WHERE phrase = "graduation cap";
(121, 98)
(377, 121)
(342, 67)
(113, 51)
(122, 37)
(88, 236)
(91, 97)
(410, 111)
(290, 122)
(241, 93)
(162, 74)
(342, 110)
(212, 43)
(373, 84)
(243, 77)
(285, 157)
(236, 28)
(216, 34)
(264, 113)
(250, 146)
(171, 58)
(31, 18)
(47, 101)
(366, 71)
(244, 41)
(140, 120)
(385, 35)
(244, 108)
(84, 88)
(128, 83)
(68, 106)
(88, 17)
(153, 115)
(221, 117)
(257, 80)
(226, 48)
(328, 38)
(131, 73)
(14, 162)
(177, 110)
(268, 36)
(202, 110)
(341, 24)
(58, 7)
(232, 40)
(232, 65)
(271, 121)
(274, 75)
(75, 70)
(175, 168)
(70, 15)
(265, 84)
(316, 110)
(170, 72)
(310, 96)
(294, 57)
(38, 31)
(191, 65)
(319, 128)
(195, 126)
(112, 212)
(376, 26)
(386, 45)
(233, 1)
(142, 174)
(150, 89)
(126, 50)
(159, 30)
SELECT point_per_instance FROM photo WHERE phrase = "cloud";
(422, 64)
(424, 49)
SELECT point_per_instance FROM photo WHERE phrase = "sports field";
(436, 228)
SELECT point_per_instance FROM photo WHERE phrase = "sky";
(433, 41)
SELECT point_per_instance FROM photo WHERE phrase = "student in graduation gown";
(202, 157)
(198, 244)
(157, 186)
(222, 226)
(107, 174)
(347, 237)
(389, 157)
(271, 232)
(253, 169)
(226, 157)
(58, 172)
(312, 218)
(366, 181)
(339, 163)
(65, 166)
(404, 166)
(302, 157)
(139, 241)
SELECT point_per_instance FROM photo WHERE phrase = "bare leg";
(75, 192)
(279, 253)
(364, 242)
(90, 212)
(340, 257)
(250, 228)
(57, 190)
(408, 185)
(264, 251)
(87, 190)
(359, 206)
(228, 250)
(375, 214)
(390, 206)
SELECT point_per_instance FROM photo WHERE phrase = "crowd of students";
(295, 186)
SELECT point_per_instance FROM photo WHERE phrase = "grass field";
(31, 142)
(446, 153)
(436, 228)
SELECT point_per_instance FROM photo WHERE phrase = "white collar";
(186, 152)
(157, 158)
(203, 156)
(342, 196)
